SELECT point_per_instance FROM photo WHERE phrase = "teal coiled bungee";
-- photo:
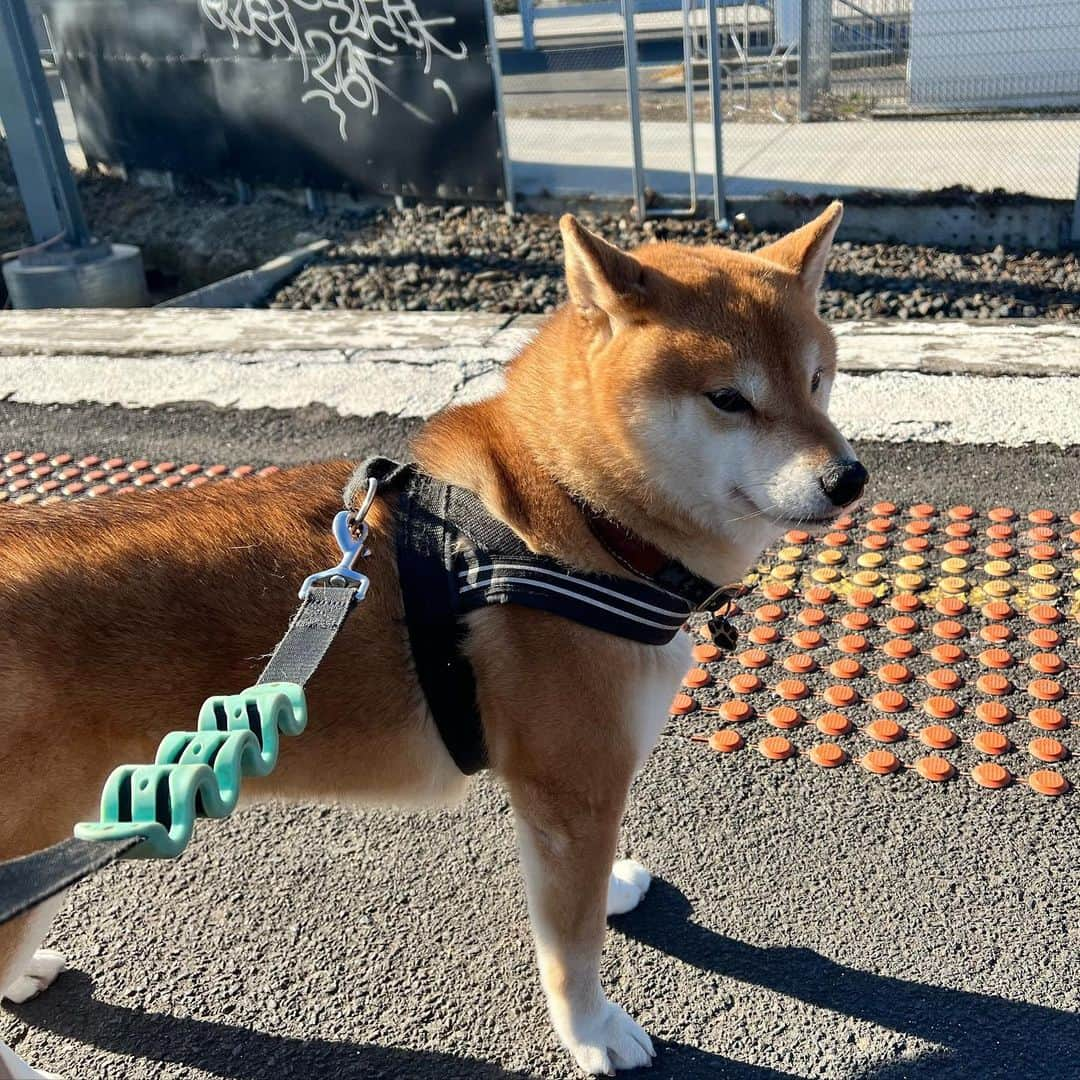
(197, 773)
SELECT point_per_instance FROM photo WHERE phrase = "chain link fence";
(902, 96)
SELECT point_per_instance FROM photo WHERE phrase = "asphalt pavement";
(803, 922)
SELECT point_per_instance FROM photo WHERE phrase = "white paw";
(13, 1065)
(629, 882)
(41, 974)
(609, 1040)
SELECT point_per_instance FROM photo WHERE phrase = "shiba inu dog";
(681, 395)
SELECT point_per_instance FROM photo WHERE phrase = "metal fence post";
(500, 106)
(528, 34)
(713, 55)
(33, 136)
(806, 89)
(634, 105)
(1075, 236)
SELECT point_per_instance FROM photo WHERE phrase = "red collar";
(628, 549)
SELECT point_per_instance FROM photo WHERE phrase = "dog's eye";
(729, 401)
(815, 382)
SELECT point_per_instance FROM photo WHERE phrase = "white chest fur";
(655, 671)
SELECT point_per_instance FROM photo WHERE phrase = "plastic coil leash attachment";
(197, 773)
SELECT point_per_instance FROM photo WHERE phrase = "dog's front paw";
(609, 1040)
(40, 975)
(628, 883)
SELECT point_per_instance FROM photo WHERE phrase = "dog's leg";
(25, 970)
(567, 843)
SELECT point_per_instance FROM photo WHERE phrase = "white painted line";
(884, 407)
(1003, 411)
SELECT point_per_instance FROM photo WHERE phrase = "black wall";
(217, 88)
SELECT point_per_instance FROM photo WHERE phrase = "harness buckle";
(351, 533)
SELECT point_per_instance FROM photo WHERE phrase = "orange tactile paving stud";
(764, 635)
(791, 690)
(951, 606)
(1046, 689)
(989, 774)
(892, 673)
(862, 598)
(846, 668)
(993, 712)
(852, 643)
(697, 677)
(991, 742)
(833, 723)
(827, 755)
(881, 762)
(1046, 749)
(1045, 638)
(996, 633)
(1048, 782)
(938, 737)
(754, 658)
(746, 683)
(775, 590)
(906, 602)
(994, 684)
(1047, 663)
(889, 701)
(681, 704)
(1046, 719)
(947, 653)
(784, 717)
(776, 748)
(949, 629)
(937, 769)
(706, 654)
(996, 658)
(884, 730)
(1045, 614)
(840, 696)
(856, 620)
(735, 711)
(899, 648)
(812, 617)
(998, 610)
(807, 639)
(940, 708)
(943, 679)
(800, 664)
(769, 613)
(726, 740)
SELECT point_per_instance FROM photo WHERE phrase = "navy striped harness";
(454, 557)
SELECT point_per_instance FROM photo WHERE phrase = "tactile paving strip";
(940, 643)
(36, 477)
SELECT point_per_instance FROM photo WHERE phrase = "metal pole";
(806, 89)
(719, 196)
(33, 136)
(688, 75)
(634, 105)
(528, 37)
(1075, 236)
(500, 109)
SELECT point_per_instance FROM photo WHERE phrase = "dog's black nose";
(844, 481)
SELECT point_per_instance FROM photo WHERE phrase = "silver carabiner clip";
(352, 547)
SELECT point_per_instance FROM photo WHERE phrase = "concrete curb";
(249, 287)
(1030, 348)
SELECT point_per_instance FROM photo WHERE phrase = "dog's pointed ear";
(806, 249)
(599, 276)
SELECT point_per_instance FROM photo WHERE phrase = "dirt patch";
(189, 238)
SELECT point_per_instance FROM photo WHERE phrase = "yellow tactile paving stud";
(936, 644)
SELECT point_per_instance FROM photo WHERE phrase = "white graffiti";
(342, 58)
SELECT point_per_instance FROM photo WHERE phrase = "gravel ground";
(476, 258)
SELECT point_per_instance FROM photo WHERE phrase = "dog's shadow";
(70, 1009)
(981, 1035)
